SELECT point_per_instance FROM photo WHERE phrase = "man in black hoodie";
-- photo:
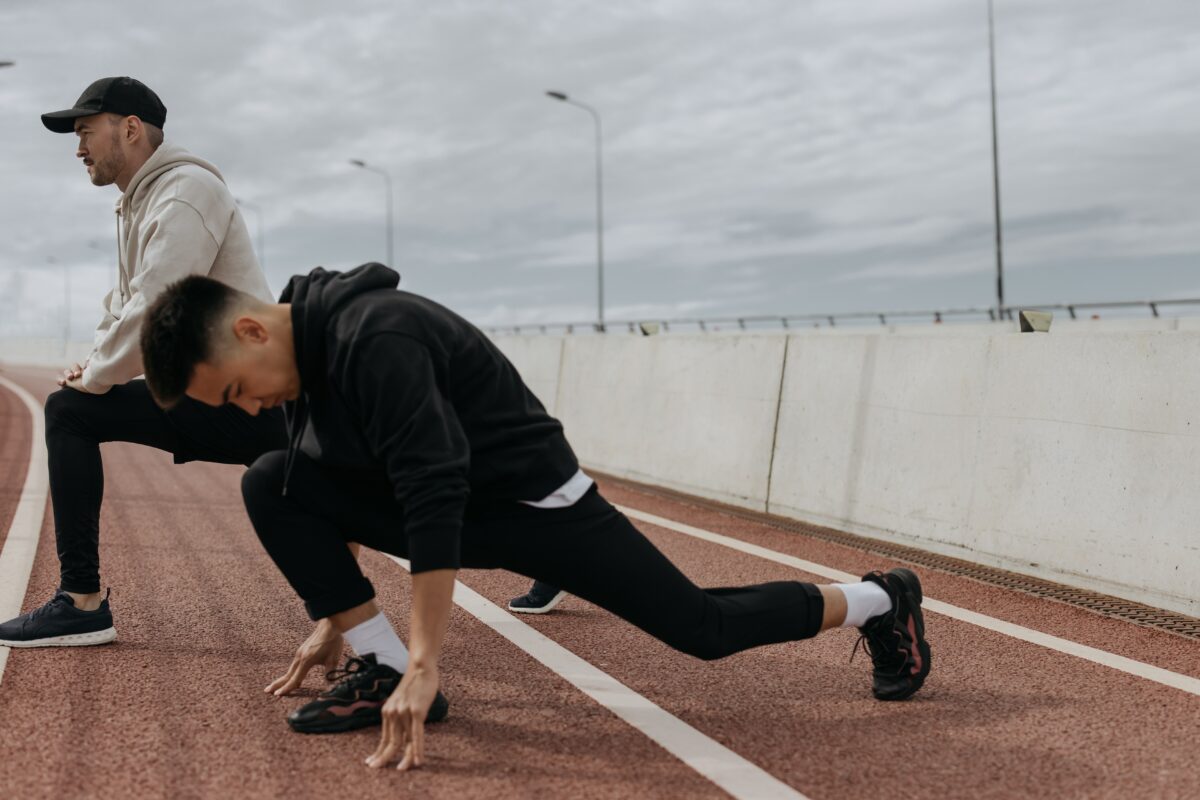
(412, 434)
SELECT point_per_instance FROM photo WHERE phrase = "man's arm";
(393, 385)
(405, 711)
(323, 647)
(178, 244)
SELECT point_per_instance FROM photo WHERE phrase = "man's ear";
(130, 127)
(248, 329)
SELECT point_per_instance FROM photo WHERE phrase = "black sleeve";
(414, 432)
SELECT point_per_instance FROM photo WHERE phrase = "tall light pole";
(996, 171)
(388, 180)
(599, 207)
(7, 64)
(262, 248)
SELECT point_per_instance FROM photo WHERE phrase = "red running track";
(175, 708)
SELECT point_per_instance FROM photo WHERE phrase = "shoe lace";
(353, 674)
(882, 644)
(54, 603)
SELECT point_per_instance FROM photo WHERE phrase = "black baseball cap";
(124, 96)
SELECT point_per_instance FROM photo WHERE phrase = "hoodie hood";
(167, 157)
(314, 298)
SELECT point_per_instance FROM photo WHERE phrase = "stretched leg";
(591, 550)
(76, 425)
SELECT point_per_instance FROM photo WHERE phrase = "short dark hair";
(179, 333)
(154, 135)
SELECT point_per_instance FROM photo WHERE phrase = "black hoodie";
(397, 387)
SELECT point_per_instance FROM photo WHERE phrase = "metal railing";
(788, 321)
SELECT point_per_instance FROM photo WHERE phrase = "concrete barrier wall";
(1072, 455)
(538, 359)
(691, 413)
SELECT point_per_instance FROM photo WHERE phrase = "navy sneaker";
(896, 640)
(60, 624)
(356, 701)
(540, 599)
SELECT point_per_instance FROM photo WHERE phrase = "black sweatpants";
(589, 549)
(76, 424)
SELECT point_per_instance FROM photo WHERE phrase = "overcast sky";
(760, 156)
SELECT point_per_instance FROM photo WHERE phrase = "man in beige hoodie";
(175, 217)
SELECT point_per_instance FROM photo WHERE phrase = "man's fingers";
(407, 762)
(414, 756)
(387, 742)
(289, 681)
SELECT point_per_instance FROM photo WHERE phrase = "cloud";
(777, 157)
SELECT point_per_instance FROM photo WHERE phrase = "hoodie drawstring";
(296, 427)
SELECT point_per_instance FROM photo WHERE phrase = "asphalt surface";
(175, 707)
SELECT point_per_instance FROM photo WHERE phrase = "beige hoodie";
(176, 218)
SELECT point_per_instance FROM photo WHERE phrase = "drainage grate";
(1105, 605)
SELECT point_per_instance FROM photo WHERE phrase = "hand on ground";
(322, 648)
(404, 720)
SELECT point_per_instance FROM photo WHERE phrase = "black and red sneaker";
(896, 640)
(356, 700)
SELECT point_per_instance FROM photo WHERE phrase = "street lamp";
(599, 207)
(996, 171)
(358, 162)
(262, 248)
(7, 64)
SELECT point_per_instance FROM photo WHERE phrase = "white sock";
(863, 601)
(377, 636)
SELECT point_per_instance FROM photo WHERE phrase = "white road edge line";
(1150, 672)
(714, 761)
(20, 545)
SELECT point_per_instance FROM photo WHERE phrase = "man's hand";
(405, 711)
(71, 377)
(404, 720)
(323, 647)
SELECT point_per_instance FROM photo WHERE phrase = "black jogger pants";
(589, 549)
(77, 423)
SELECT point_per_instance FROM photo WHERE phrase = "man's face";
(100, 147)
(253, 372)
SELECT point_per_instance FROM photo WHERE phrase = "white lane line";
(20, 545)
(714, 761)
(1150, 672)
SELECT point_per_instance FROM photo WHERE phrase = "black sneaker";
(896, 640)
(356, 701)
(540, 599)
(60, 624)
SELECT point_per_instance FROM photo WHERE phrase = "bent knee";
(264, 478)
(62, 405)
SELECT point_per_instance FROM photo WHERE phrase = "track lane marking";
(1140, 669)
(20, 545)
(710, 758)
